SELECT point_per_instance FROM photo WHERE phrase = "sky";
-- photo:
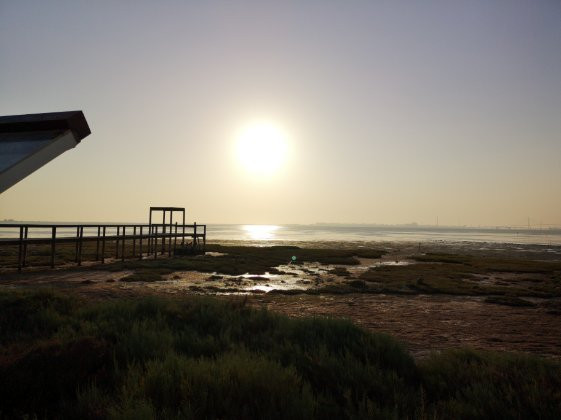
(390, 111)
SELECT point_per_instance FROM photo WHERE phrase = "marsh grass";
(207, 358)
(461, 275)
(492, 264)
(237, 260)
(464, 383)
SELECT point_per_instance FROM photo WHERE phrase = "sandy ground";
(424, 323)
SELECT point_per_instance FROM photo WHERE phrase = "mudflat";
(432, 296)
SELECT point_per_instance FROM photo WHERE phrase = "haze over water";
(326, 232)
(382, 233)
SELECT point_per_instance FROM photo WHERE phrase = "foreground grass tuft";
(200, 357)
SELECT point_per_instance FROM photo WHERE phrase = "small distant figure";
(293, 259)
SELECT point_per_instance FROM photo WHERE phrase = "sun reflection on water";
(261, 232)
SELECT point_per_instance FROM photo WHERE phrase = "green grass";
(207, 358)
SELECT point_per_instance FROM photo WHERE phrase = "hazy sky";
(394, 111)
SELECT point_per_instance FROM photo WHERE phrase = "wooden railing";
(146, 240)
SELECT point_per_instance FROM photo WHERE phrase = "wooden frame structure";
(163, 225)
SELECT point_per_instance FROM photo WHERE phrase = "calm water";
(349, 233)
(382, 233)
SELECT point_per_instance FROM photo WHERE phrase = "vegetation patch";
(203, 357)
(340, 271)
(359, 284)
(462, 275)
(481, 264)
(237, 260)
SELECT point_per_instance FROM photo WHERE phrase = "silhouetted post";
(134, 241)
(20, 247)
(97, 244)
(194, 235)
(175, 239)
(25, 231)
(140, 254)
(170, 230)
(164, 233)
(155, 242)
(204, 239)
(76, 250)
(150, 233)
(123, 245)
(103, 247)
(80, 245)
(117, 242)
(53, 246)
(183, 237)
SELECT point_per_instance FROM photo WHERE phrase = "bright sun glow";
(261, 232)
(261, 148)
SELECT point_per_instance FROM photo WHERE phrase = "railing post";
(134, 241)
(123, 245)
(155, 242)
(76, 242)
(20, 247)
(97, 244)
(25, 232)
(103, 247)
(194, 235)
(150, 232)
(204, 239)
(164, 233)
(53, 246)
(80, 245)
(175, 239)
(140, 254)
(170, 232)
(117, 242)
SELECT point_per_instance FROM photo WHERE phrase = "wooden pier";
(145, 240)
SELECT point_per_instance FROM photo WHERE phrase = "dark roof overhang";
(70, 120)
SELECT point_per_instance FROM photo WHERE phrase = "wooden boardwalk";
(147, 240)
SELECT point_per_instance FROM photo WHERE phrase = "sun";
(261, 148)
